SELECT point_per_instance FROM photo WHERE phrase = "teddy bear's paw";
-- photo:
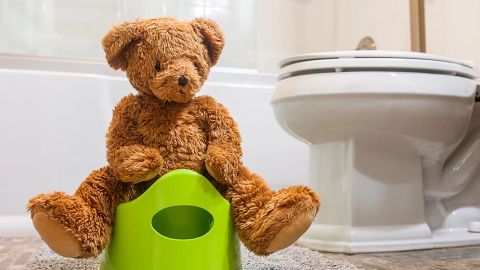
(69, 225)
(56, 236)
(294, 208)
(136, 165)
(291, 232)
(213, 172)
(222, 165)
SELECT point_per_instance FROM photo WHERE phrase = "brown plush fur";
(165, 127)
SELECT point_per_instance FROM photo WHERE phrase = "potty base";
(180, 223)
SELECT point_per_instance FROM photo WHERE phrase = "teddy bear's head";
(165, 57)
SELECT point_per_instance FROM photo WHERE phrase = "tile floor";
(15, 253)
(463, 258)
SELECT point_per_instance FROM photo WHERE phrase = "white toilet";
(394, 148)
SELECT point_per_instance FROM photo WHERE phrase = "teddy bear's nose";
(182, 80)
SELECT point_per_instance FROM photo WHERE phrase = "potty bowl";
(181, 222)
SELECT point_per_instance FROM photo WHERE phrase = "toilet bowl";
(394, 142)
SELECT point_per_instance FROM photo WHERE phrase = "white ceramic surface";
(394, 154)
(371, 54)
(54, 115)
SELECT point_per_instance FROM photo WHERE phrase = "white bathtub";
(54, 115)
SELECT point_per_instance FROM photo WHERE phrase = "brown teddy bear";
(162, 128)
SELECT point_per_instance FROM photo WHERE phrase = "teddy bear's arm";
(129, 158)
(224, 153)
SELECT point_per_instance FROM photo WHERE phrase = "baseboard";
(16, 226)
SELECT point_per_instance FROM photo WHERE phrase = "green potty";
(180, 223)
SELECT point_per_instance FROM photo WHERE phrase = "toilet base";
(352, 240)
(373, 201)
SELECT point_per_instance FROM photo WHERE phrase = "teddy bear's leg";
(267, 221)
(79, 225)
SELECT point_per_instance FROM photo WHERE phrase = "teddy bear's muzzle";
(182, 80)
(179, 88)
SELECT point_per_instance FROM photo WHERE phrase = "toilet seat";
(403, 73)
(348, 61)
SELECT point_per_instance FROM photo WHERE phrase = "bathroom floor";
(16, 253)
(463, 258)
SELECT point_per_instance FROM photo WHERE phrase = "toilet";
(394, 141)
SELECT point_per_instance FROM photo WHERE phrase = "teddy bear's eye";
(157, 65)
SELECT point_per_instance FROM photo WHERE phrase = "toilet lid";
(347, 61)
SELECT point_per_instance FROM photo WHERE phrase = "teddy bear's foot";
(70, 226)
(291, 232)
(286, 216)
(268, 221)
(56, 236)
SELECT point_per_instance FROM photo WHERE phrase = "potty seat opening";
(183, 222)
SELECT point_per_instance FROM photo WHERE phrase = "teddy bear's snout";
(182, 80)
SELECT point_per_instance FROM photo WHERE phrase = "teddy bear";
(163, 127)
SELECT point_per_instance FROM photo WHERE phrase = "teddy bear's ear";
(212, 37)
(118, 41)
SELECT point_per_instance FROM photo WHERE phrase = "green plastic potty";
(181, 222)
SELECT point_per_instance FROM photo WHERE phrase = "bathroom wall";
(261, 32)
(74, 28)
(303, 26)
(452, 28)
